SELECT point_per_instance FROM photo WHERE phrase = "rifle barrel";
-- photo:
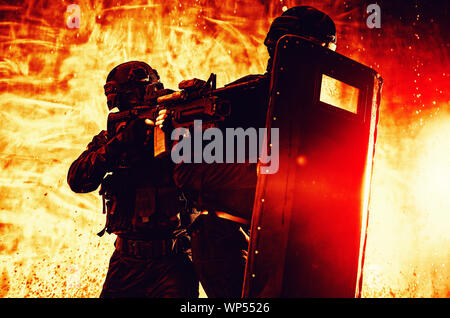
(184, 95)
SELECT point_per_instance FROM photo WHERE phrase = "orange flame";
(51, 87)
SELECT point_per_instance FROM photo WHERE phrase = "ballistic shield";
(309, 219)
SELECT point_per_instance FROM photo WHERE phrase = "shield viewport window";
(339, 94)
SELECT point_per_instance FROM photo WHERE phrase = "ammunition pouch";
(148, 249)
(118, 203)
(130, 207)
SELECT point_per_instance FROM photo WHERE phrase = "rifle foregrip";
(160, 143)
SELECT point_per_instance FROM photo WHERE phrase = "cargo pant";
(219, 246)
(219, 254)
(138, 276)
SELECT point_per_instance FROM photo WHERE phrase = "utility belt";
(148, 249)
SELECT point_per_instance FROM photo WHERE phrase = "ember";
(52, 102)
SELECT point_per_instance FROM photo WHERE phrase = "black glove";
(134, 134)
(167, 125)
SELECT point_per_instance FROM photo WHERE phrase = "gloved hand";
(133, 135)
(136, 132)
(163, 121)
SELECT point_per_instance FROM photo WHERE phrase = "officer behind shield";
(225, 192)
(140, 198)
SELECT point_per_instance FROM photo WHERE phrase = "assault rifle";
(196, 100)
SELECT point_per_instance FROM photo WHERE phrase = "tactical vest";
(140, 198)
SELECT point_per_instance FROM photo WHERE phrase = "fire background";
(52, 103)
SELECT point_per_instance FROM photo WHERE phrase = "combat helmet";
(126, 83)
(304, 21)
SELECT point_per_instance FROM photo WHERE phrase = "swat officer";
(224, 193)
(140, 197)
